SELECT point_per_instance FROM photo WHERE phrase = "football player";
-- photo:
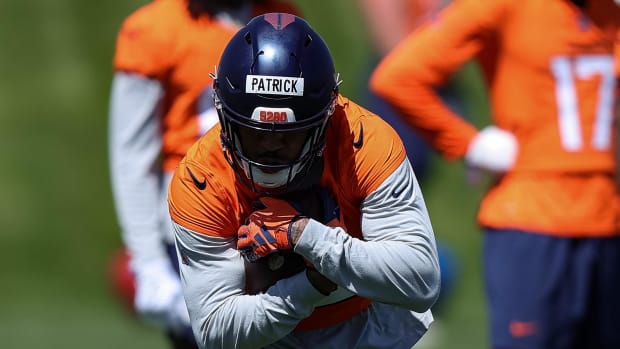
(238, 196)
(160, 104)
(552, 233)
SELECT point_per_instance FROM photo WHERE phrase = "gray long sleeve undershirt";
(395, 265)
(138, 181)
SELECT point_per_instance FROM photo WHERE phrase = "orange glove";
(268, 229)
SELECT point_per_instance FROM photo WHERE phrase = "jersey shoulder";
(202, 194)
(369, 149)
(147, 37)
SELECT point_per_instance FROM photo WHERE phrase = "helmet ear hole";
(248, 38)
(308, 41)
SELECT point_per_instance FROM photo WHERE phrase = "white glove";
(493, 150)
(159, 296)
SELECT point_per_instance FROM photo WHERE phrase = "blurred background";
(58, 223)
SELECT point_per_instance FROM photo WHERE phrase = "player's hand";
(492, 149)
(159, 297)
(268, 229)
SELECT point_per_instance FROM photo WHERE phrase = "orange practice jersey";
(162, 41)
(550, 70)
(351, 173)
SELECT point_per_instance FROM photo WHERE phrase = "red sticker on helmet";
(273, 114)
(279, 20)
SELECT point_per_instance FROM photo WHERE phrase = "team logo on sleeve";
(360, 138)
(274, 85)
(201, 185)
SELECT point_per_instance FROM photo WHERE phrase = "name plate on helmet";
(274, 85)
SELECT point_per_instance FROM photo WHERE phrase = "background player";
(160, 104)
(551, 245)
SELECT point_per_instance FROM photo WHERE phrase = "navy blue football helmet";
(276, 75)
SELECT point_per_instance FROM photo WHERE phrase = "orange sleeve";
(212, 209)
(408, 77)
(376, 148)
(197, 209)
(143, 47)
(380, 157)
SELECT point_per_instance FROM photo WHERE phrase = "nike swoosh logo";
(199, 184)
(360, 139)
(520, 329)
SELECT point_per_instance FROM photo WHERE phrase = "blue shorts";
(546, 292)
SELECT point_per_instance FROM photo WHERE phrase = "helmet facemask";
(274, 177)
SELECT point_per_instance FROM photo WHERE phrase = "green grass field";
(58, 223)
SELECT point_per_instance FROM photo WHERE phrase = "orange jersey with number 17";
(551, 74)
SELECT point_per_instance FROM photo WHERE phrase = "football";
(266, 271)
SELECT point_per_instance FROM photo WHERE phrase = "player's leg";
(528, 281)
(601, 327)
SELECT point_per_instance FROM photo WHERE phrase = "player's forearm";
(420, 105)
(222, 315)
(408, 78)
(397, 262)
(395, 218)
(135, 144)
(387, 271)
(254, 321)
(137, 198)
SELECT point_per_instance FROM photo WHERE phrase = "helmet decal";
(274, 85)
(273, 114)
(279, 20)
